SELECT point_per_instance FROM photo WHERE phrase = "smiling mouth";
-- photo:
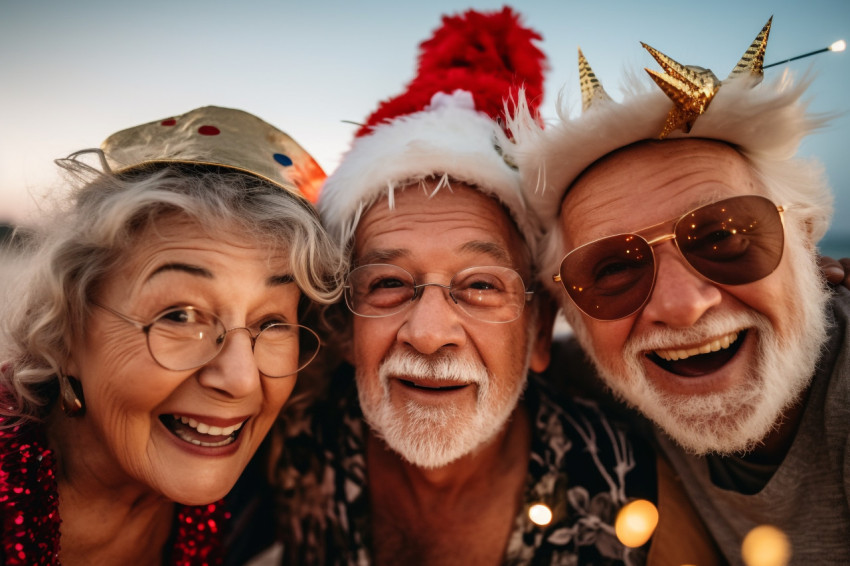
(421, 387)
(699, 360)
(199, 433)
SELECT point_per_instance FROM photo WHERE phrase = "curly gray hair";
(82, 244)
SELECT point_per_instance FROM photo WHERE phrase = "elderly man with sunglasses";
(435, 446)
(685, 253)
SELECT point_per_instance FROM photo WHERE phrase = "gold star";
(692, 88)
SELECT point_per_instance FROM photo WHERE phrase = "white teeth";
(211, 430)
(711, 346)
(210, 444)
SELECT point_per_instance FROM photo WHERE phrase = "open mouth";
(433, 386)
(699, 360)
(199, 433)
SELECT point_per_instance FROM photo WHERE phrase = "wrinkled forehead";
(419, 218)
(653, 181)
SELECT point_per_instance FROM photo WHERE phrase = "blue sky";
(74, 72)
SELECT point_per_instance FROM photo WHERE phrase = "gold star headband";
(691, 88)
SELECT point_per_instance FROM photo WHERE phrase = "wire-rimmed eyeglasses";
(486, 293)
(185, 338)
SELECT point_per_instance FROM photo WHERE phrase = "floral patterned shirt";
(583, 466)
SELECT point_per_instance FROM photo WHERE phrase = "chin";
(735, 418)
(200, 491)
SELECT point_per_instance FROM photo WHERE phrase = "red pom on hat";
(449, 123)
(489, 55)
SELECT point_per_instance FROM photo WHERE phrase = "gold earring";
(71, 393)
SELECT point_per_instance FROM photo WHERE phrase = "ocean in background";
(835, 246)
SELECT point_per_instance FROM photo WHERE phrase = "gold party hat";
(690, 88)
(221, 137)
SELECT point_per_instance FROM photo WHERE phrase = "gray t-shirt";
(808, 495)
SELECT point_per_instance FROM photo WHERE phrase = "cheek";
(276, 392)
(504, 352)
(372, 340)
(117, 370)
(606, 339)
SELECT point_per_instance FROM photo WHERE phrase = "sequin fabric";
(29, 501)
(29, 509)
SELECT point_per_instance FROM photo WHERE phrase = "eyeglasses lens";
(378, 289)
(733, 242)
(284, 349)
(185, 338)
(610, 276)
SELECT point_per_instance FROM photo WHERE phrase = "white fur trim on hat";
(766, 122)
(450, 139)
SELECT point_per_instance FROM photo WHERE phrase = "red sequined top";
(29, 509)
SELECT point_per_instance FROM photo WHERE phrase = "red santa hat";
(447, 124)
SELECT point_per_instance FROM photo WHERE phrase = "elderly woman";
(155, 341)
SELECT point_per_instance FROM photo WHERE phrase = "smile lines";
(711, 346)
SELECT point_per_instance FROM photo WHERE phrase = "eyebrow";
(184, 267)
(382, 255)
(273, 281)
(284, 279)
(498, 252)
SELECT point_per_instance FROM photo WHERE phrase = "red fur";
(489, 55)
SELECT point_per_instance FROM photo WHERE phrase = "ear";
(547, 311)
(71, 367)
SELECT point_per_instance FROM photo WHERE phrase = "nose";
(680, 295)
(233, 372)
(432, 322)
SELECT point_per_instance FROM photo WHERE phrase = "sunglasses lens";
(609, 278)
(733, 241)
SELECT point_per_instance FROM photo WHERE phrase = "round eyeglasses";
(489, 294)
(184, 338)
(733, 241)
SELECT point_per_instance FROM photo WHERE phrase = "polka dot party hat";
(222, 137)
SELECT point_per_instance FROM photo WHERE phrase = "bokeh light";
(540, 514)
(636, 522)
(766, 545)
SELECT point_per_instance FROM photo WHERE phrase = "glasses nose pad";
(451, 291)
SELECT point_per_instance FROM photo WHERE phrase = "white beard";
(432, 437)
(738, 419)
